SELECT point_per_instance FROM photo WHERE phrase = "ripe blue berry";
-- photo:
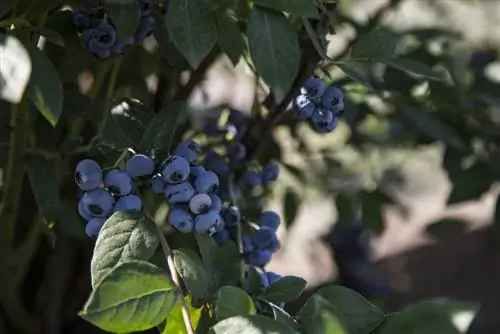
(324, 120)
(232, 215)
(140, 165)
(200, 203)
(130, 202)
(216, 203)
(259, 258)
(248, 246)
(206, 182)
(122, 43)
(118, 182)
(313, 88)
(83, 211)
(265, 238)
(179, 193)
(270, 173)
(237, 118)
(181, 220)
(81, 19)
(88, 175)
(252, 178)
(207, 223)
(216, 163)
(197, 170)
(236, 151)
(221, 237)
(94, 226)
(188, 149)
(175, 169)
(264, 280)
(99, 202)
(303, 107)
(333, 99)
(270, 219)
(157, 184)
(272, 277)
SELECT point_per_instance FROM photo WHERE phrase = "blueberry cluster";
(321, 105)
(99, 35)
(106, 193)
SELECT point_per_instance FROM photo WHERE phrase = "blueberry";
(272, 277)
(264, 280)
(248, 246)
(101, 39)
(303, 107)
(207, 223)
(188, 149)
(270, 219)
(259, 258)
(94, 226)
(216, 163)
(252, 178)
(181, 220)
(200, 203)
(265, 238)
(179, 193)
(88, 175)
(221, 237)
(333, 99)
(122, 43)
(216, 203)
(206, 182)
(237, 118)
(232, 216)
(146, 28)
(118, 182)
(175, 169)
(130, 202)
(140, 165)
(211, 128)
(313, 87)
(324, 120)
(99, 202)
(81, 19)
(197, 170)
(236, 151)
(157, 184)
(83, 211)
(270, 173)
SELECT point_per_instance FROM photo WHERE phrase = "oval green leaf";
(231, 301)
(304, 8)
(193, 273)
(134, 296)
(126, 16)
(274, 47)
(285, 289)
(252, 324)
(412, 67)
(229, 38)
(125, 236)
(193, 29)
(377, 43)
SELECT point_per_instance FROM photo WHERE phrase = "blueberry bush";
(101, 160)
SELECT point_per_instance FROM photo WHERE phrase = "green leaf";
(372, 202)
(193, 273)
(291, 206)
(253, 282)
(42, 173)
(355, 314)
(413, 67)
(219, 5)
(357, 74)
(69, 222)
(252, 324)
(33, 9)
(6, 6)
(125, 15)
(158, 137)
(126, 124)
(193, 29)
(231, 301)
(315, 318)
(274, 47)
(134, 296)
(378, 43)
(431, 126)
(125, 236)
(79, 105)
(282, 316)
(16, 69)
(285, 289)
(229, 38)
(175, 322)
(304, 8)
(45, 88)
(438, 316)
(51, 35)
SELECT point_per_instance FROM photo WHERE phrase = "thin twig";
(239, 232)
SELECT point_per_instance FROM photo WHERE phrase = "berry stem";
(176, 279)
(115, 69)
(239, 232)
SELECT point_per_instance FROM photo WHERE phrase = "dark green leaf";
(438, 316)
(42, 173)
(316, 318)
(253, 282)
(166, 47)
(45, 88)
(305, 8)
(414, 67)
(231, 301)
(371, 203)
(285, 289)
(52, 36)
(357, 74)
(16, 69)
(253, 324)
(229, 38)
(6, 6)
(69, 222)
(291, 206)
(33, 9)
(355, 314)
(193, 273)
(133, 297)
(193, 29)
(125, 15)
(282, 316)
(125, 236)
(274, 47)
(175, 322)
(208, 249)
(77, 104)
(219, 5)
(158, 137)
(378, 43)
(430, 126)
